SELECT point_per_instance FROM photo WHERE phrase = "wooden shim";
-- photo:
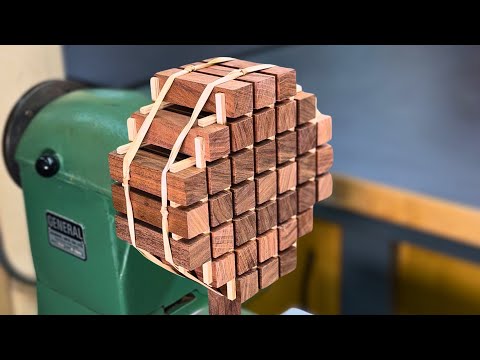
(186, 91)
(219, 176)
(183, 164)
(243, 197)
(286, 146)
(241, 132)
(267, 245)
(207, 120)
(324, 184)
(185, 221)
(266, 216)
(220, 208)
(220, 305)
(131, 129)
(200, 153)
(265, 156)
(220, 108)
(145, 110)
(245, 227)
(287, 234)
(247, 285)
(207, 272)
(324, 158)
(265, 186)
(246, 257)
(286, 176)
(154, 88)
(242, 165)
(166, 128)
(305, 222)
(288, 260)
(306, 167)
(306, 107)
(264, 124)
(286, 205)
(306, 137)
(223, 269)
(286, 115)
(306, 196)
(268, 272)
(324, 129)
(222, 239)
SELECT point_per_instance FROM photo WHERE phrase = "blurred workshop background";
(401, 233)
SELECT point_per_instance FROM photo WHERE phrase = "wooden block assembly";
(306, 107)
(243, 197)
(286, 205)
(222, 239)
(287, 234)
(324, 186)
(265, 186)
(265, 156)
(266, 216)
(220, 305)
(220, 208)
(264, 125)
(286, 176)
(242, 165)
(241, 132)
(267, 245)
(247, 285)
(288, 260)
(306, 196)
(245, 227)
(324, 158)
(223, 269)
(219, 175)
(306, 137)
(286, 146)
(286, 113)
(246, 257)
(305, 222)
(306, 167)
(268, 272)
(324, 129)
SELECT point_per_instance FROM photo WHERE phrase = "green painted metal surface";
(82, 128)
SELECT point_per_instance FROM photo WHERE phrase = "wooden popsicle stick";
(200, 153)
(183, 164)
(175, 236)
(299, 88)
(145, 110)
(131, 129)
(207, 273)
(220, 108)
(231, 289)
(154, 88)
(208, 120)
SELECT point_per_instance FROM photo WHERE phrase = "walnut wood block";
(220, 305)
(266, 216)
(185, 187)
(264, 125)
(187, 253)
(306, 167)
(288, 260)
(324, 186)
(268, 272)
(265, 155)
(219, 175)
(286, 146)
(267, 245)
(220, 208)
(242, 165)
(246, 257)
(306, 137)
(305, 222)
(286, 176)
(286, 113)
(286, 78)
(265, 186)
(324, 158)
(286, 205)
(187, 89)
(167, 125)
(185, 221)
(245, 227)
(287, 234)
(247, 285)
(222, 239)
(241, 132)
(306, 107)
(243, 197)
(223, 269)
(324, 129)
(306, 196)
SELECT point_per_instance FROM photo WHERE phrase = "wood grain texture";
(286, 176)
(324, 185)
(285, 78)
(220, 208)
(266, 216)
(286, 205)
(306, 107)
(288, 260)
(189, 254)
(265, 155)
(264, 124)
(242, 165)
(241, 132)
(265, 186)
(223, 269)
(222, 240)
(245, 227)
(185, 221)
(247, 285)
(268, 272)
(185, 187)
(287, 234)
(246, 257)
(267, 245)
(306, 137)
(324, 129)
(306, 196)
(220, 305)
(167, 125)
(186, 91)
(324, 158)
(306, 167)
(219, 175)
(286, 146)
(243, 197)
(286, 114)
(305, 222)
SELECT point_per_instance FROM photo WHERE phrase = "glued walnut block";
(242, 165)
(243, 197)
(247, 285)
(185, 221)
(220, 305)
(286, 176)
(187, 89)
(245, 227)
(287, 234)
(265, 186)
(305, 222)
(223, 269)
(220, 208)
(286, 146)
(189, 254)
(265, 155)
(306, 107)
(222, 239)
(286, 205)
(219, 175)
(264, 124)
(266, 216)
(286, 113)
(324, 129)
(167, 125)
(306, 196)
(288, 260)
(268, 272)
(246, 257)
(324, 186)
(324, 158)
(267, 245)
(185, 187)
(285, 78)
(241, 132)
(306, 167)
(306, 137)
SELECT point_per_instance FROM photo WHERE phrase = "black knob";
(47, 164)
